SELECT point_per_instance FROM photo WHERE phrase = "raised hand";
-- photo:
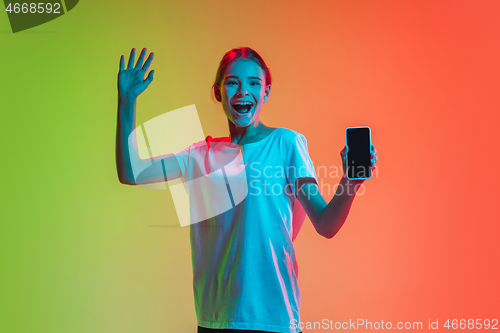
(131, 81)
(343, 155)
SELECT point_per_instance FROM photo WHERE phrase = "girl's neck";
(239, 135)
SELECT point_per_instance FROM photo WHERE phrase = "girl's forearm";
(335, 213)
(125, 126)
(131, 169)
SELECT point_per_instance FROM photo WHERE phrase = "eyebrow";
(235, 77)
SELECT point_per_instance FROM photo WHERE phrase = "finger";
(141, 59)
(149, 78)
(145, 67)
(122, 63)
(131, 59)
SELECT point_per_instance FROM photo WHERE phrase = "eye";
(231, 83)
(255, 83)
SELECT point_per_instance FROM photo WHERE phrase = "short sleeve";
(299, 168)
(191, 158)
(182, 158)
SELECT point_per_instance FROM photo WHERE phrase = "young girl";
(244, 265)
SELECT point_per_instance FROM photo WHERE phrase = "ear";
(217, 93)
(268, 91)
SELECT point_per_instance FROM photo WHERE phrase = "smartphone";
(358, 141)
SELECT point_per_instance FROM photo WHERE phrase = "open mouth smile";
(242, 106)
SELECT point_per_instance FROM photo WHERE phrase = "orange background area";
(421, 243)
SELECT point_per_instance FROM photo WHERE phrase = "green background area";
(81, 252)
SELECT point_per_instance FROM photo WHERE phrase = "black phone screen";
(358, 142)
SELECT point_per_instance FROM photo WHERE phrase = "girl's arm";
(127, 155)
(329, 218)
(132, 170)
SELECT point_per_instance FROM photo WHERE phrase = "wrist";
(127, 98)
(351, 185)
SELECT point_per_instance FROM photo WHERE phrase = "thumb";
(149, 78)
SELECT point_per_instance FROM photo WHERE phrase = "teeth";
(242, 107)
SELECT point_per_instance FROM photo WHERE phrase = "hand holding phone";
(359, 154)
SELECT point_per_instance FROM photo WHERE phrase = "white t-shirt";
(244, 266)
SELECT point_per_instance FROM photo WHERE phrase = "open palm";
(131, 81)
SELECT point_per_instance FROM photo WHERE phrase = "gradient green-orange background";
(81, 252)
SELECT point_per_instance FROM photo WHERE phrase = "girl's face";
(243, 90)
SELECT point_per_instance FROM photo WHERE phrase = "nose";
(242, 91)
